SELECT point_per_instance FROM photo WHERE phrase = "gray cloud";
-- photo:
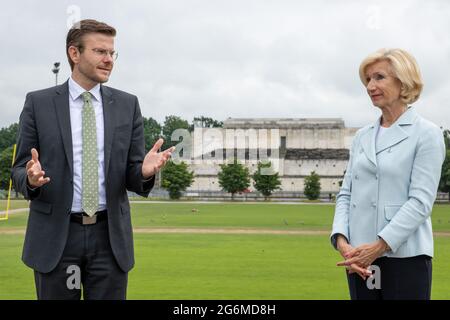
(234, 58)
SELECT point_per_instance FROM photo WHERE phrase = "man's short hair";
(80, 29)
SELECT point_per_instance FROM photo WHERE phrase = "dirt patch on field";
(202, 231)
(229, 231)
(3, 213)
(12, 231)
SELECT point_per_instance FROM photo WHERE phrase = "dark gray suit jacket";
(45, 125)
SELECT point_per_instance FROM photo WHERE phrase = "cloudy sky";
(233, 58)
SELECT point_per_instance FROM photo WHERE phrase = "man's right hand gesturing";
(34, 171)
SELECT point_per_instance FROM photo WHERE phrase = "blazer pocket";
(390, 211)
(40, 207)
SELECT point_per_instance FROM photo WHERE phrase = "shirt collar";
(76, 90)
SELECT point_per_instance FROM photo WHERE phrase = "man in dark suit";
(80, 148)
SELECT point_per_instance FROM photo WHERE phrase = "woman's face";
(382, 86)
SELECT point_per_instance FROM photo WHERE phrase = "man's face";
(95, 62)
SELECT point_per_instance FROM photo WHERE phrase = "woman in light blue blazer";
(382, 225)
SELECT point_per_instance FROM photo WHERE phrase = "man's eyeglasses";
(103, 53)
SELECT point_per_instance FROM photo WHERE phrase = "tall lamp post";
(55, 71)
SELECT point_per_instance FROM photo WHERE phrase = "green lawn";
(236, 215)
(219, 266)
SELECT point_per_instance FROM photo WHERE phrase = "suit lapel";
(397, 132)
(62, 110)
(110, 123)
(393, 136)
(368, 142)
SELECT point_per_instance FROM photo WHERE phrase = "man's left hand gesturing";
(154, 160)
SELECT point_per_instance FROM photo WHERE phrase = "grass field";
(226, 266)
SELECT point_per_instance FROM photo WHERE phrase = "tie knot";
(86, 97)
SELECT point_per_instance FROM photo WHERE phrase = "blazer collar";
(397, 132)
(407, 118)
(62, 110)
(62, 88)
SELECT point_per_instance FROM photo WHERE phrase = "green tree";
(266, 180)
(5, 167)
(312, 186)
(176, 178)
(171, 123)
(8, 136)
(447, 138)
(205, 122)
(152, 132)
(444, 183)
(234, 177)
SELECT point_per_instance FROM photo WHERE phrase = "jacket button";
(354, 205)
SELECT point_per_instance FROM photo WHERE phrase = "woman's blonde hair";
(404, 67)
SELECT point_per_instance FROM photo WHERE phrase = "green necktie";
(90, 157)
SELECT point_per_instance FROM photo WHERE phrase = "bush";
(312, 186)
(176, 178)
